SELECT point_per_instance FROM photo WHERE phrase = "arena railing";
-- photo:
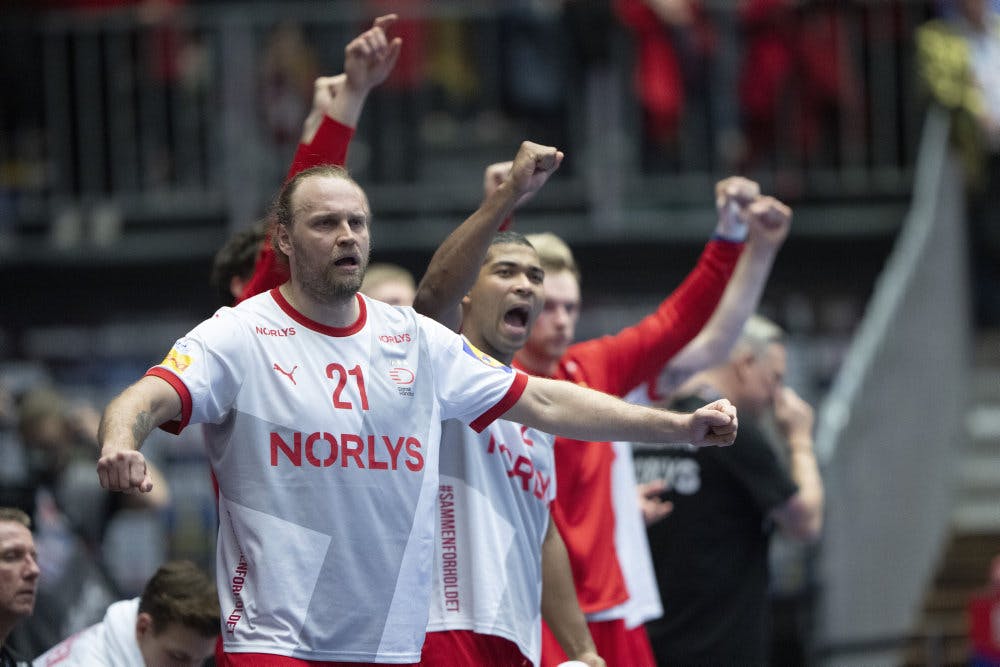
(889, 428)
(169, 123)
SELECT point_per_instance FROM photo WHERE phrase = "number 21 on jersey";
(337, 372)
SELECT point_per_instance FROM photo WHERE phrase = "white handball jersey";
(631, 543)
(110, 643)
(492, 514)
(325, 445)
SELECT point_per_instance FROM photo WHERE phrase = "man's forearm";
(740, 298)
(124, 425)
(130, 418)
(634, 354)
(805, 473)
(738, 303)
(456, 263)
(560, 608)
(127, 421)
(571, 411)
(345, 108)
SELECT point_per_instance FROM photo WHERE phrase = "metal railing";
(174, 118)
(888, 430)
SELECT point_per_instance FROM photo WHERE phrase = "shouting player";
(323, 414)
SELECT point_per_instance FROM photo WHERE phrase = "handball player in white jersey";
(496, 486)
(500, 564)
(493, 504)
(323, 412)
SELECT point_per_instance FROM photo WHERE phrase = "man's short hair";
(554, 254)
(758, 333)
(281, 210)
(236, 257)
(383, 272)
(510, 237)
(180, 593)
(14, 515)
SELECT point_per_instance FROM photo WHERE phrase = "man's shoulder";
(263, 302)
(382, 310)
(78, 650)
(398, 324)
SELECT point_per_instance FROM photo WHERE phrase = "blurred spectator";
(394, 108)
(167, 57)
(984, 621)
(533, 68)
(959, 60)
(389, 283)
(797, 73)
(449, 65)
(947, 8)
(233, 263)
(71, 514)
(175, 621)
(15, 487)
(60, 439)
(674, 41)
(710, 553)
(18, 577)
(288, 68)
(22, 140)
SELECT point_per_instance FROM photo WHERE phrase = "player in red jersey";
(584, 509)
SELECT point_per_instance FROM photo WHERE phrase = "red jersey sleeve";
(506, 403)
(177, 425)
(268, 272)
(617, 364)
(329, 146)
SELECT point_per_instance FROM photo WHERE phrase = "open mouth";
(516, 317)
(347, 261)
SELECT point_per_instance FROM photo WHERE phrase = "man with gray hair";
(18, 577)
(710, 553)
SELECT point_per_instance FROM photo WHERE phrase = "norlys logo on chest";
(277, 333)
(347, 450)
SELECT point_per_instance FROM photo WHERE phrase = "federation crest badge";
(476, 353)
(176, 360)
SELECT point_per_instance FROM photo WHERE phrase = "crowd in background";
(761, 84)
(87, 539)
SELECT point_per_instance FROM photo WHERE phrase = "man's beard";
(327, 286)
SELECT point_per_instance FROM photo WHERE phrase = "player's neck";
(338, 313)
(482, 344)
